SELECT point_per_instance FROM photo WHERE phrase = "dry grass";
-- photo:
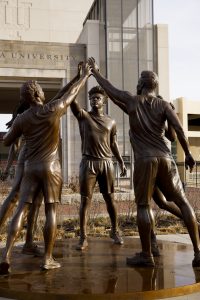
(100, 227)
(4, 189)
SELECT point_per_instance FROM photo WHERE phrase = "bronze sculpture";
(11, 200)
(98, 136)
(154, 165)
(40, 127)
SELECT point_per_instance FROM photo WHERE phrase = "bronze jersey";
(40, 127)
(147, 127)
(96, 132)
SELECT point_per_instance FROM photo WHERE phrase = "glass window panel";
(130, 45)
(113, 8)
(145, 15)
(145, 35)
(129, 10)
(145, 49)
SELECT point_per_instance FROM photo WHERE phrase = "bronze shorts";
(92, 171)
(41, 177)
(157, 171)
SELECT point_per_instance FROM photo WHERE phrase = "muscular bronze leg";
(31, 223)
(49, 236)
(7, 206)
(144, 223)
(30, 247)
(13, 197)
(144, 227)
(191, 224)
(112, 211)
(171, 207)
(14, 230)
(154, 246)
(85, 204)
(162, 203)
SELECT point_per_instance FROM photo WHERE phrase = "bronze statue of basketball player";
(98, 136)
(158, 196)
(40, 126)
(154, 165)
(19, 146)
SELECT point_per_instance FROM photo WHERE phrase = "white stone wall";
(42, 20)
(163, 60)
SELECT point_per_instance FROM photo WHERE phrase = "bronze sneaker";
(32, 250)
(83, 244)
(4, 268)
(50, 264)
(140, 260)
(118, 240)
(196, 260)
(155, 250)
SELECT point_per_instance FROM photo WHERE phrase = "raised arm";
(62, 91)
(119, 104)
(75, 107)
(113, 93)
(73, 91)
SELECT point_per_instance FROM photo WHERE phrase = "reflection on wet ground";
(101, 269)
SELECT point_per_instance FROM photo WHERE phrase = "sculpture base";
(100, 272)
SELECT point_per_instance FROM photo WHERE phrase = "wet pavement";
(100, 272)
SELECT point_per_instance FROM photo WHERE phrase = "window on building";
(193, 122)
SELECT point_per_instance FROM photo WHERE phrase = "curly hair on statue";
(29, 89)
(97, 90)
(148, 80)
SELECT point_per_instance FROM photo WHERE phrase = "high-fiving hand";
(87, 70)
(93, 65)
(80, 68)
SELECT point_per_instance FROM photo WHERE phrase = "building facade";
(124, 41)
(188, 112)
(123, 33)
(45, 41)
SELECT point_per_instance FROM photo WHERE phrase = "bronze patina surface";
(100, 272)
(40, 127)
(98, 143)
(154, 165)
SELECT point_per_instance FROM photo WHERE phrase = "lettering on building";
(16, 54)
(37, 59)
(35, 56)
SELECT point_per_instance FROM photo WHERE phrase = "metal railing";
(190, 179)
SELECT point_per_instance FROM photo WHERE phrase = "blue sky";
(182, 17)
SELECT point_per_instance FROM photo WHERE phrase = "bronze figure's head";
(148, 80)
(97, 96)
(32, 92)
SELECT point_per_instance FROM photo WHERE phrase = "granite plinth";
(100, 272)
